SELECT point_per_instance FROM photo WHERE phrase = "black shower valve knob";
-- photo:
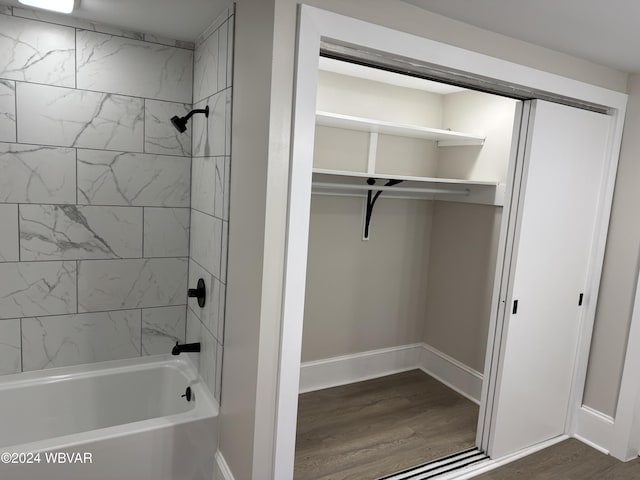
(200, 293)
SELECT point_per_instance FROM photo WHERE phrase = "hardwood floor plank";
(369, 429)
(568, 460)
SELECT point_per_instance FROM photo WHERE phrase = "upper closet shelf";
(444, 138)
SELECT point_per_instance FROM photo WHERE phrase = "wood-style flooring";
(374, 428)
(569, 460)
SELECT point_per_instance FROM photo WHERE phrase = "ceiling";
(604, 32)
(175, 19)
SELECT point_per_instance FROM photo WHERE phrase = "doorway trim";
(316, 25)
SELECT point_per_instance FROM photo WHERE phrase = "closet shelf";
(346, 183)
(444, 138)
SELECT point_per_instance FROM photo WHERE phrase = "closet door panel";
(563, 168)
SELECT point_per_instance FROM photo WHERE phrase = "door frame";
(315, 25)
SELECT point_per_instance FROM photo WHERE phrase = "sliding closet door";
(562, 171)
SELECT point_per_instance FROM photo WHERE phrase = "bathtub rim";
(204, 407)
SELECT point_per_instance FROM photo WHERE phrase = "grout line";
(15, 106)
(77, 286)
(104, 26)
(75, 58)
(102, 92)
(77, 184)
(46, 145)
(83, 205)
(19, 239)
(21, 348)
(114, 259)
(143, 242)
(132, 309)
(141, 353)
(144, 125)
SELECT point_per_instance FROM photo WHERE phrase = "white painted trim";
(315, 24)
(345, 369)
(595, 429)
(223, 472)
(453, 373)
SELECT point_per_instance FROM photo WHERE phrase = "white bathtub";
(126, 419)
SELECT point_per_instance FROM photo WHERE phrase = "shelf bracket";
(372, 198)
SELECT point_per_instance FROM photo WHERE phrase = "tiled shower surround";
(96, 195)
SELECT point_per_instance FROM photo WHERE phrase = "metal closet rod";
(366, 188)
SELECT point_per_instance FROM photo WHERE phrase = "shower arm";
(197, 110)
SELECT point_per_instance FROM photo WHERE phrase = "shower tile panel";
(76, 118)
(37, 52)
(35, 174)
(7, 111)
(166, 232)
(203, 184)
(139, 283)
(132, 67)
(208, 359)
(160, 135)
(220, 19)
(6, 10)
(162, 328)
(8, 234)
(70, 232)
(227, 120)
(219, 180)
(206, 240)
(225, 248)
(217, 392)
(205, 67)
(193, 335)
(221, 313)
(136, 179)
(10, 349)
(208, 356)
(230, 41)
(209, 314)
(223, 34)
(62, 19)
(209, 133)
(227, 188)
(148, 37)
(57, 341)
(40, 288)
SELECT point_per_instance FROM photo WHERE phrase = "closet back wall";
(94, 192)
(364, 296)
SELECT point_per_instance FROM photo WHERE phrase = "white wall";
(618, 284)
(462, 263)
(364, 296)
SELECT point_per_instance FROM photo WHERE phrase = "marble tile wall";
(95, 191)
(210, 175)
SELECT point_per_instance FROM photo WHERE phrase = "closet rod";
(366, 188)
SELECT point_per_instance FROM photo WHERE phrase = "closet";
(409, 183)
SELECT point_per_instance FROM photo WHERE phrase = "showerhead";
(180, 123)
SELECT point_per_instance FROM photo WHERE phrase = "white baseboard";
(453, 373)
(223, 472)
(595, 429)
(335, 371)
